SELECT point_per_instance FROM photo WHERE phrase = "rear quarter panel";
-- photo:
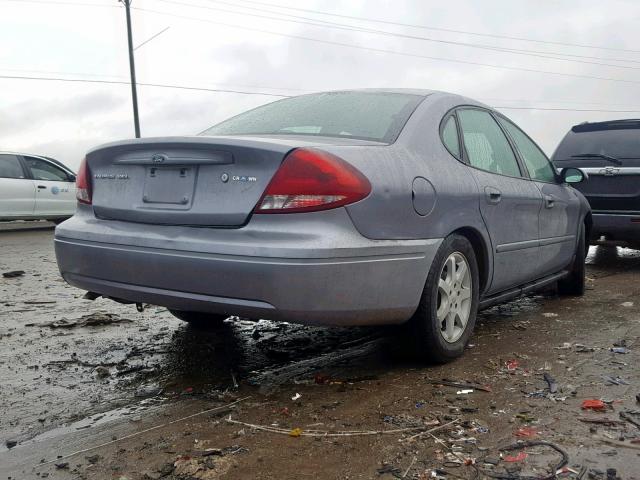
(388, 212)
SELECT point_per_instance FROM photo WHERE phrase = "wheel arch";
(588, 227)
(481, 250)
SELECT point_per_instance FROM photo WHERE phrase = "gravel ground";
(77, 374)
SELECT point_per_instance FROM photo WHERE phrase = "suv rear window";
(616, 139)
(378, 116)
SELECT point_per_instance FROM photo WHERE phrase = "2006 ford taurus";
(342, 208)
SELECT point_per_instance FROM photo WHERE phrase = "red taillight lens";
(83, 183)
(310, 180)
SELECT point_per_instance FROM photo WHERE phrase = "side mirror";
(573, 175)
(72, 178)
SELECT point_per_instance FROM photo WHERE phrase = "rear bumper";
(617, 227)
(312, 280)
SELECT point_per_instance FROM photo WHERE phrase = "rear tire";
(442, 325)
(574, 284)
(200, 319)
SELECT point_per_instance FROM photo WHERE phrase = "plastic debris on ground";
(521, 456)
(526, 432)
(511, 365)
(593, 404)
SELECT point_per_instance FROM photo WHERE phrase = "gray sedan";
(361, 207)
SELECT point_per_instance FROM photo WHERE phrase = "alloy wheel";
(454, 297)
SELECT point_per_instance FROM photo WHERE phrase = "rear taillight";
(310, 180)
(83, 183)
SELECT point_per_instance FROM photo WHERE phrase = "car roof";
(43, 157)
(622, 124)
(423, 92)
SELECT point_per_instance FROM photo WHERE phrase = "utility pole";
(132, 68)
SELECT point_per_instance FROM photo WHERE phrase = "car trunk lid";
(198, 181)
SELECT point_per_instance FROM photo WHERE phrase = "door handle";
(549, 201)
(41, 187)
(493, 195)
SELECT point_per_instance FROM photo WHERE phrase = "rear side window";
(616, 139)
(450, 136)
(378, 116)
(535, 160)
(43, 170)
(10, 167)
(485, 143)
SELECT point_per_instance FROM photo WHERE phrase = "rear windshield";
(622, 142)
(363, 115)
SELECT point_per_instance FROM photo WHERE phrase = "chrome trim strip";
(541, 242)
(611, 171)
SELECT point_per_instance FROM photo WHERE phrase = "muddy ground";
(99, 390)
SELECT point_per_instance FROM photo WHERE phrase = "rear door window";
(450, 136)
(10, 167)
(43, 170)
(537, 163)
(486, 145)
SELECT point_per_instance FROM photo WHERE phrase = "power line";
(394, 52)
(550, 109)
(244, 92)
(152, 37)
(450, 30)
(158, 85)
(84, 74)
(341, 26)
(62, 2)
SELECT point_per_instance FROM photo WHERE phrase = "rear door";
(509, 203)
(55, 192)
(17, 191)
(559, 215)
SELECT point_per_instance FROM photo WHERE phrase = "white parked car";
(33, 187)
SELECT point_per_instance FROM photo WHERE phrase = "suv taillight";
(310, 180)
(83, 183)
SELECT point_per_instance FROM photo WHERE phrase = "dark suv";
(610, 153)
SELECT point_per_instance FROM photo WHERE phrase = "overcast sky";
(87, 40)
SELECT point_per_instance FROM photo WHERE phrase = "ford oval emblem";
(158, 158)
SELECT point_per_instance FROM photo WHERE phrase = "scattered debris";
(526, 432)
(102, 372)
(601, 421)
(518, 458)
(622, 350)
(296, 397)
(615, 380)
(511, 365)
(327, 433)
(464, 392)
(553, 386)
(463, 385)
(593, 404)
(13, 274)
(91, 320)
(629, 418)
